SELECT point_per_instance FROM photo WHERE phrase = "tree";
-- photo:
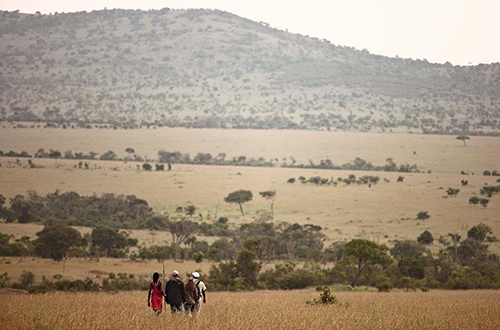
(190, 210)
(365, 253)
(479, 232)
(147, 167)
(474, 200)
(109, 242)
(423, 215)
(181, 231)
(239, 197)
(54, 241)
(463, 138)
(407, 249)
(130, 151)
(425, 238)
(110, 155)
(248, 267)
(484, 202)
(270, 197)
(452, 192)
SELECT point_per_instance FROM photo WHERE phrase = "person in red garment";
(155, 294)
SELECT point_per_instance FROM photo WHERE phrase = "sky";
(462, 32)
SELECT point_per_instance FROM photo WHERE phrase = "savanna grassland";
(344, 212)
(258, 310)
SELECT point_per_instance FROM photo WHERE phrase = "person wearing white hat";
(201, 293)
(175, 295)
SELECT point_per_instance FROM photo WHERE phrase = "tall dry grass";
(258, 310)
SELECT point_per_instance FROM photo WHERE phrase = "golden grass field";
(79, 268)
(258, 310)
(345, 212)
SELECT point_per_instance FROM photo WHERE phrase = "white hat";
(195, 274)
(175, 273)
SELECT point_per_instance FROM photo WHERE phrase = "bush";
(325, 298)
(384, 287)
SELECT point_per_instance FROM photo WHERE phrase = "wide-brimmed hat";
(195, 274)
(175, 273)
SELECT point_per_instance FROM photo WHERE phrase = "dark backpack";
(197, 295)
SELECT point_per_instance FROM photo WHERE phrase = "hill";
(206, 68)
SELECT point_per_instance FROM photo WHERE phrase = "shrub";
(325, 298)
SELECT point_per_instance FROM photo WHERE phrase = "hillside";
(204, 68)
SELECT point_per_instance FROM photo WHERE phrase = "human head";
(156, 277)
(196, 275)
(175, 273)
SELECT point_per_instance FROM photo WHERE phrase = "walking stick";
(164, 285)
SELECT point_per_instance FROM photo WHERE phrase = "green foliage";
(110, 242)
(239, 197)
(72, 209)
(423, 215)
(109, 155)
(325, 298)
(365, 253)
(425, 238)
(407, 249)
(479, 232)
(54, 241)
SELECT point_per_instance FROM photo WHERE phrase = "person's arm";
(166, 294)
(204, 296)
(161, 289)
(149, 295)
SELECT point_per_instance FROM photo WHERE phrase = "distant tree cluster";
(351, 179)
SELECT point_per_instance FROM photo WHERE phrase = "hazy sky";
(459, 31)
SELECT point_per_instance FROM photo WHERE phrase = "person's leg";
(176, 310)
(187, 309)
(197, 308)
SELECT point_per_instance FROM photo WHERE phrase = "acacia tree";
(425, 238)
(423, 215)
(365, 253)
(479, 232)
(463, 138)
(270, 197)
(239, 197)
(54, 241)
(474, 200)
(181, 231)
(484, 202)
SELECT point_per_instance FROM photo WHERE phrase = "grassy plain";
(258, 310)
(345, 212)
(441, 154)
(79, 268)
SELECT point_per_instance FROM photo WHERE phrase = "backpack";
(198, 291)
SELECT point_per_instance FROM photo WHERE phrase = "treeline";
(110, 210)
(201, 158)
(112, 283)
(351, 179)
(58, 241)
(408, 264)
(465, 264)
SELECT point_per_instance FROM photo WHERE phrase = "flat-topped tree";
(270, 196)
(239, 197)
(463, 138)
(423, 215)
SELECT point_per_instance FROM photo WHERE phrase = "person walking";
(190, 289)
(155, 294)
(201, 294)
(175, 295)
